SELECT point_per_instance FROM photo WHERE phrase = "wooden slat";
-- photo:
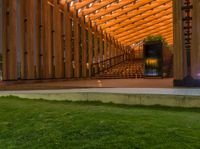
(76, 45)
(59, 68)
(68, 54)
(9, 40)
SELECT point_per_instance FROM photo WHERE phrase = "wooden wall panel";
(9, 40)
(84, 48)
(179, 61)
(47, 41)
(76, 45)
(68, 69)
(105, 46)
(39, 27)
(22, 38)
(96, 48)
(90, 49)
(195, 52)
(101, 48)
(59, 67)
(1, 34)
(46, 45)
(30, 39)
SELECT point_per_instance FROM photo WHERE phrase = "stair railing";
(108, 63)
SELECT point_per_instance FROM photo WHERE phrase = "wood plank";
(59, 65)
(76, 45)
(68, 69)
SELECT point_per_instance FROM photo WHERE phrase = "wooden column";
(30, 39)
(109, 48)
(23, 39)
(9, 39)
(59, 67)
(90, 49)
(1, 32)
(76, 45)
(38, 34)
(179, 60)
(84, 48)
(105, 47)
(195, 51)
(68, 69)
(96, 47)
(101, 48)
(48, 37)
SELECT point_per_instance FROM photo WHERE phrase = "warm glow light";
(152, 61)
(62, 1)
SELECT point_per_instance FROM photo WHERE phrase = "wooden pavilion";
(62, 39)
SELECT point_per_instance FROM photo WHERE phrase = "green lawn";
(50, 124)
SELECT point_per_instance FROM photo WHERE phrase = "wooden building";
(62, 39)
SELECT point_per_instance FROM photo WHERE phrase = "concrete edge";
(118, 98)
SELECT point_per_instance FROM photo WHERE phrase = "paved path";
(151, 91)
(106, 83)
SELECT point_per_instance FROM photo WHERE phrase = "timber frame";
(64, 39)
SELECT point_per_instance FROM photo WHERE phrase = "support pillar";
(179, 55)
(84, 48)
(90, 48)
(59, 67)
(195, 52)
(68, 44)
(76, 45)
(9, 34)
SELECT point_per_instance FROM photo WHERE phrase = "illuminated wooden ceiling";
(128, 21)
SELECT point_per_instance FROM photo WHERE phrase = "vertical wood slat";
(90, 49)
(105, 46)
(101, 48)
(1, 32)
(179, 70)
(5, 18)
(68, 73)
(195, 52)
(22, 39)
(47, 38)
(96, 48)
(9, 40)
(59, 67)
(38, 36)
(84, 48)
(30, 39)
(76, 45)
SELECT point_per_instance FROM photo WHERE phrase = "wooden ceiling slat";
(96, 6)
(140, 22)
(142, 37)
(83, 3)
(145, 28)
(106, 11)
(128, 21)
(132, 11)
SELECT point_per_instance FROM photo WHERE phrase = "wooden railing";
(108, 63)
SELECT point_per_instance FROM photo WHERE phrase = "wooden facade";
(45, 39)
(63, 39)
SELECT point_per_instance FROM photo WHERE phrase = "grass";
(50, 124)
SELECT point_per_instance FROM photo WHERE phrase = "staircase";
(124, 70)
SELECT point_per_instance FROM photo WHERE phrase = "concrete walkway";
(105, 83)
(145, 91)
(130, 96)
